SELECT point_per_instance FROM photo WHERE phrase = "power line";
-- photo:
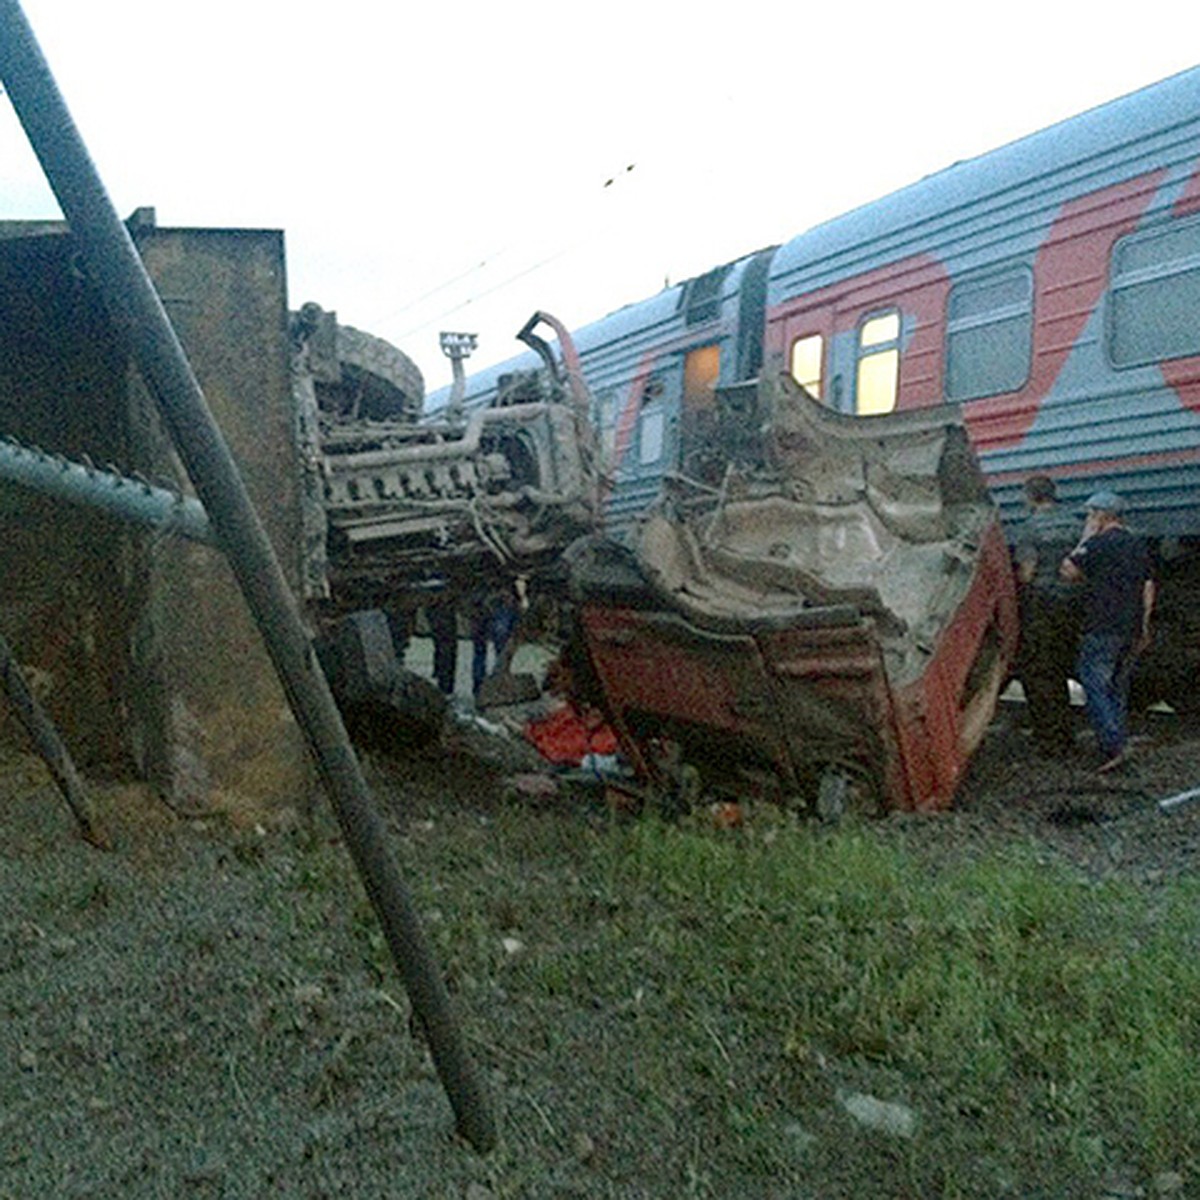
(495, 288)
(441, 287)
(608, 184)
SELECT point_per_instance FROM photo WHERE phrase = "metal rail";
(112, 261)
(133, 500)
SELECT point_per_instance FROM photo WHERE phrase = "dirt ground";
(1108, 825)
(199, 1014)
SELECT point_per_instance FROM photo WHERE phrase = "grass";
(659, 1010)
(730, 989)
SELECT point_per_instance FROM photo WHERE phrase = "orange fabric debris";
(568, 734)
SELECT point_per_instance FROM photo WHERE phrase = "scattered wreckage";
(825, 617)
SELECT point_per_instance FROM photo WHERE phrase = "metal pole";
(112, 261)
(50, 746)
(81, 483)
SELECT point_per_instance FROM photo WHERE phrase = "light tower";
(457, 347)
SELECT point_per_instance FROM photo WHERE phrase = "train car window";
(700, 370)
(989, 335)
(878, 375)
(1156, 295)
(698, 415)
(652, 422)
(652, 429)
(806, 363)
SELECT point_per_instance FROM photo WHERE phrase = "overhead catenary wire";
(574, 244)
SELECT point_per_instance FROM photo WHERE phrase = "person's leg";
(400, 626)
(503, 626)
(1062, 649)
(1044, 671)
(1122, 678)
(1099, 661)
(479, 651)
(444, 631)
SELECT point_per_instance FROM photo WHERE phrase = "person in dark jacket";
(1049, 615)
(1118, 601)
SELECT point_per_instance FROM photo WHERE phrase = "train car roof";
(590, 339)
(1073, 144)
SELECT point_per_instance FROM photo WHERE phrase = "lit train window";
(806, 363)
(701, 370)
(878, 374)
(989, 335)
(1156, 295)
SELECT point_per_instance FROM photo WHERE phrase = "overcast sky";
(457, 166)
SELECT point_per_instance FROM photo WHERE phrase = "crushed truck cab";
(826, 618)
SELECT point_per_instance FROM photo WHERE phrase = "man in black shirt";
(1118, 602)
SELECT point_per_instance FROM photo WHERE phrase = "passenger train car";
(1050, 288)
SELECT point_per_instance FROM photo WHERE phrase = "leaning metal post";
(50, 746)
(112, 261)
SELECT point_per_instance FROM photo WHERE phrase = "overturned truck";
(827, 619)
(825, 615)
(398, 506)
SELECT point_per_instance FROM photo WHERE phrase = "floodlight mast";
(457, 347)
(112, 261)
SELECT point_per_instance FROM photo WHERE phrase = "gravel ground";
(198, 1013)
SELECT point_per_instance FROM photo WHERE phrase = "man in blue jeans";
(493, 619)
(1114, 566)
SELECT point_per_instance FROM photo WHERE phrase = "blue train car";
(1050, 288)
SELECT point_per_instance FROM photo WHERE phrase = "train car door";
(698, 404)
(645, 441)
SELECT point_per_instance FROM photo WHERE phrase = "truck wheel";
(392, 381)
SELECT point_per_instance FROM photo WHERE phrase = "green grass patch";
(1036, 1021)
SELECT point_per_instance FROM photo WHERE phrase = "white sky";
(444, 166)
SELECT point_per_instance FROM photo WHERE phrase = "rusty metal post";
(112, 261)
(50, 746)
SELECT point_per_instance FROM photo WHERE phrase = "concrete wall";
(68, 601)
(167, 678)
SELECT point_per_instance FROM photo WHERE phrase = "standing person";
(1049, 615)
(1118, 601)
(494, 613)
(443, 630)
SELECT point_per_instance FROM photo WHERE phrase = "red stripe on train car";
(1070, 275)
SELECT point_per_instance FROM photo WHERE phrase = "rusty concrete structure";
(152, 664)
(149, 662)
